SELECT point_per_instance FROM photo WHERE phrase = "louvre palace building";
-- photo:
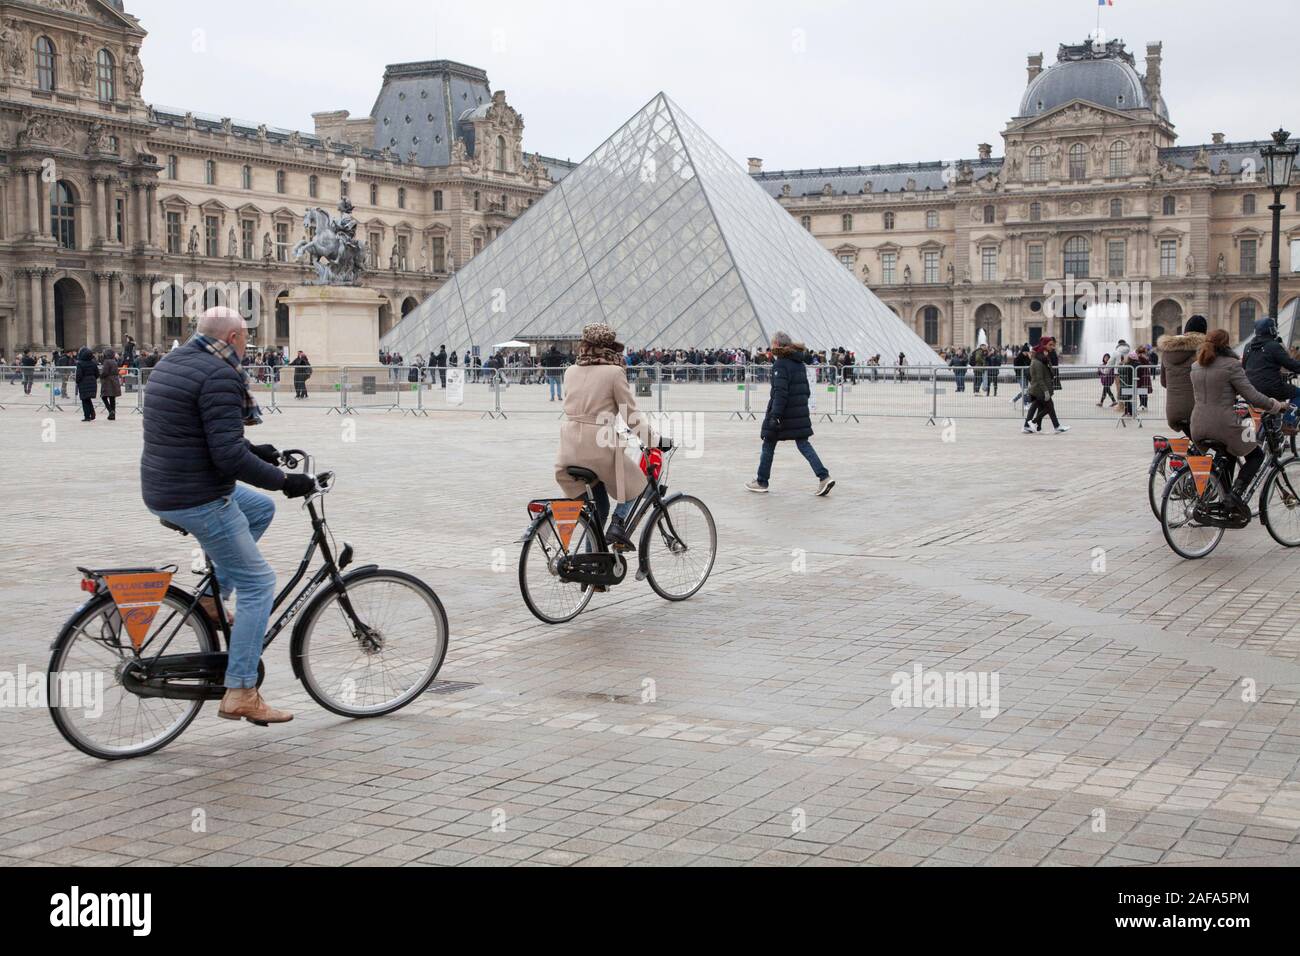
(1091, 184)
(120, 217)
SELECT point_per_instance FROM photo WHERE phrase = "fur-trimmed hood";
(795, 350)
(1180, 343)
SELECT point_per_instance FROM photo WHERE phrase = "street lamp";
(1279, 159)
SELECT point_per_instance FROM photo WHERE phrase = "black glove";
(298, 486)
(665, 443)
(268, 453)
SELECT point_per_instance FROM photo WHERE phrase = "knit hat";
(1196, 323)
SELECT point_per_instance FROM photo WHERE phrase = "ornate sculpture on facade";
(266, 246)
(133, 70)
(950, 273)
(1223, 168)
(1191, 264)
(36, 129)
(331, 246)
(83, 64)
(96, 138)
(1223, 264)
(192, 247)
(232, 244)
(1201, 161)
(392, 258)
(910, 185)
(13, 47)
(907, 275)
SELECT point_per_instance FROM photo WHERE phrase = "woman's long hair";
(1215, 342)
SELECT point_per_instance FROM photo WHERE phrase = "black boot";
(617, 537)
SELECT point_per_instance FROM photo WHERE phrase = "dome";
(1106, 78)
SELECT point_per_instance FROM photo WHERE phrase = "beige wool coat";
(595, 397)
(1216, 388)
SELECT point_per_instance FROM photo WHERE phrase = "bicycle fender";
(173, 591)
(299, 634)
(643, 546)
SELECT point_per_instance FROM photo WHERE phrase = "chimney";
(1153, 73)
(1035, 65)
(1216, 139)
(986, 151)
(755, 165)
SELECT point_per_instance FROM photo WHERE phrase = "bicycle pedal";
(642, 574)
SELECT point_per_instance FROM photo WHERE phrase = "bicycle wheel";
(1279, 504)
(548, 598)
(1185, 535)
(392, 664)
(86, 667)
(680, 545)
(1157, 481)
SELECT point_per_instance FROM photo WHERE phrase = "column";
(152, 236)
(37, 309)
(146, 321)
(115, 310)
(98, 209)
(30, 177)
(137, 215)
(101, 314)
(47, 280)
(110, 212)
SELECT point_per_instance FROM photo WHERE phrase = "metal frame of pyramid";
(661, 235)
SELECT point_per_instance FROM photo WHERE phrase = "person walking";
(87, 371)
(442, 365)
(788, 417)
(1041, 388)
(992, 369)
(110, 386)
(959, 364)
(1106, 375)
(979, 361)
(301, 372)
(1217, 379)
(195, 452)
(1021, 364)
(1177, 354)
(28, 364)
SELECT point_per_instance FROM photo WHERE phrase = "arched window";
(437, 200)
(478, 201)
(1168, 206)
(1246, 313)
(1076, 256)
(246, 177)
(401, 197)
(173, 166)
(806, 222)
(1078, 161)
(374, 194)
(1116, 208)
(846, 223)
(889, 220)
(1035, 212)
(279, 181)
(45, 60)
(1248, 204)
(1037, 164)
(313, 186)
(210, 172)
(1119, 158)
(990, 215)
(501, 154)
(106, 76)
(63, 215)
(930, 325)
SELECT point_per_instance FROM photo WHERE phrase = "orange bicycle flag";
(1179, 446)
(138, 595)
(1200, 465)
(566, 515)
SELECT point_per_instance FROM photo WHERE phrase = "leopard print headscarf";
(599, 346)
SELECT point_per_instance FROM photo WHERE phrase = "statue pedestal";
(334, 325)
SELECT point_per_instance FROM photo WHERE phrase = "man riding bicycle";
(1265, 358)
(195, 410)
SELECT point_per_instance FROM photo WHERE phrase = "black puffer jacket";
(1263, 361)
(194, 446)
(87, 374)
(787, 417)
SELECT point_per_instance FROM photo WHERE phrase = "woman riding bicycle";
(596, 395)
(1177, 353)
(1217, 380)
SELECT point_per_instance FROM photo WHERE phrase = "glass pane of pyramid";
(662, 235)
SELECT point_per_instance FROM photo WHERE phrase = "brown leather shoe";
(209, 605)
(248, 704)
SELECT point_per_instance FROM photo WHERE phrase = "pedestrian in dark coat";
(788, 416)
(87, 383)
(110, 386)
(301, 372)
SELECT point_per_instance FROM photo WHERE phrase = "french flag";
(1104, 3)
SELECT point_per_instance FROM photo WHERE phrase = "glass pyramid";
(664, 237)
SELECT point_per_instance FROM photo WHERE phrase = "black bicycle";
(566, 558)
(366, 643)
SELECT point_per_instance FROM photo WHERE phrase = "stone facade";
(119, 218)
(1091, 182)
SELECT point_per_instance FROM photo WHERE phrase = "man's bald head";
(219, 321)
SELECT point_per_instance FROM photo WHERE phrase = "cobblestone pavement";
(1121, 735)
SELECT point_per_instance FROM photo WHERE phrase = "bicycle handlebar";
(292, 458)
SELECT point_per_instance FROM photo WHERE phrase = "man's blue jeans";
(805, 448)
(557, 386)
(228, 530)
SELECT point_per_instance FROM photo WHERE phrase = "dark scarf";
(223, 351)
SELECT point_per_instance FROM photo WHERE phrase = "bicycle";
(366, 643)
(1165, 448)
(1194, 512)
(566, 558)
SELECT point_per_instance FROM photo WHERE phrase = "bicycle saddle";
(585, 475)
(172, 527)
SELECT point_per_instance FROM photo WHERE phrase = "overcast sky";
(799, 84)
